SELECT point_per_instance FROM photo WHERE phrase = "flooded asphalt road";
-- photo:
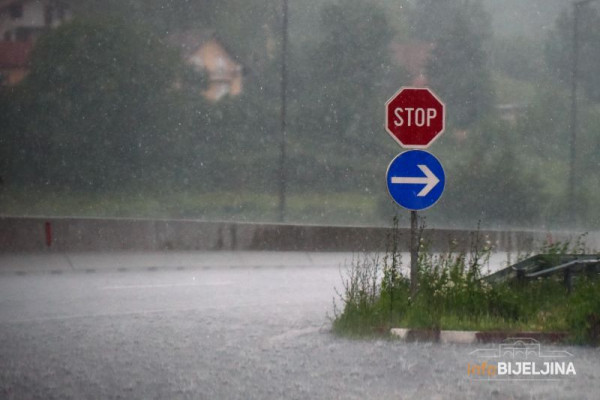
(219, 326)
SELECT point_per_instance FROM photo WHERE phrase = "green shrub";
(360, 293)
(584, 311)
(452, 295)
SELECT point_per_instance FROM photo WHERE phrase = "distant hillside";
(530, 18)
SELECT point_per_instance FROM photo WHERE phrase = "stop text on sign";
(414, 116)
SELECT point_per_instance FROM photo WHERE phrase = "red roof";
(5, 3)
(14, 54)
(413, 56)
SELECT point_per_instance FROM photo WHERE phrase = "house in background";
(14, 62)
(205, 53)
(21, 23)
(413, 56)
(26, 20)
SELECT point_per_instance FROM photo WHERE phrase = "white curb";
(459, 337)
(399, 332)
(463, 337)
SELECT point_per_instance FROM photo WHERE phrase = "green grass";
(545, 321)
(311, 208)
(452, 296)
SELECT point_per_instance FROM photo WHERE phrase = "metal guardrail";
(545, 265)
(570, 265)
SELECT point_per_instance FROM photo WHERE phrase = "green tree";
(6, 117)
(457, 70)
(160, 16)
(519, 58)
(248, 27)
(94, 111)
(432, 19)
(338, 98)
(544, 137)
(543, 127)
(493, 182)
(559, 50)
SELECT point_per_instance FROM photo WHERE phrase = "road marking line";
(166, 285)
(100, 315)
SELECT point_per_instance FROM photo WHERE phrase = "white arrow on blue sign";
(416, 179)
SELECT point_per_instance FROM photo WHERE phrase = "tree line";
(99, 110)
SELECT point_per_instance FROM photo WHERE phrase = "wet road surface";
(219, 326)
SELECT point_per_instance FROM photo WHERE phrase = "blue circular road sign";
(416, 179)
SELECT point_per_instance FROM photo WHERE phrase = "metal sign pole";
(414, 253)
(282, 146)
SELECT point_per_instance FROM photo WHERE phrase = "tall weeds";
(375, 294)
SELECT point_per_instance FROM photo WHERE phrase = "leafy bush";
(584, 311)
(453, 295)
(360, 295)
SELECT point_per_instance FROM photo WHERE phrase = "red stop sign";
(414, 117)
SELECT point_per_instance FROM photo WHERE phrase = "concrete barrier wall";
(89, 234)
